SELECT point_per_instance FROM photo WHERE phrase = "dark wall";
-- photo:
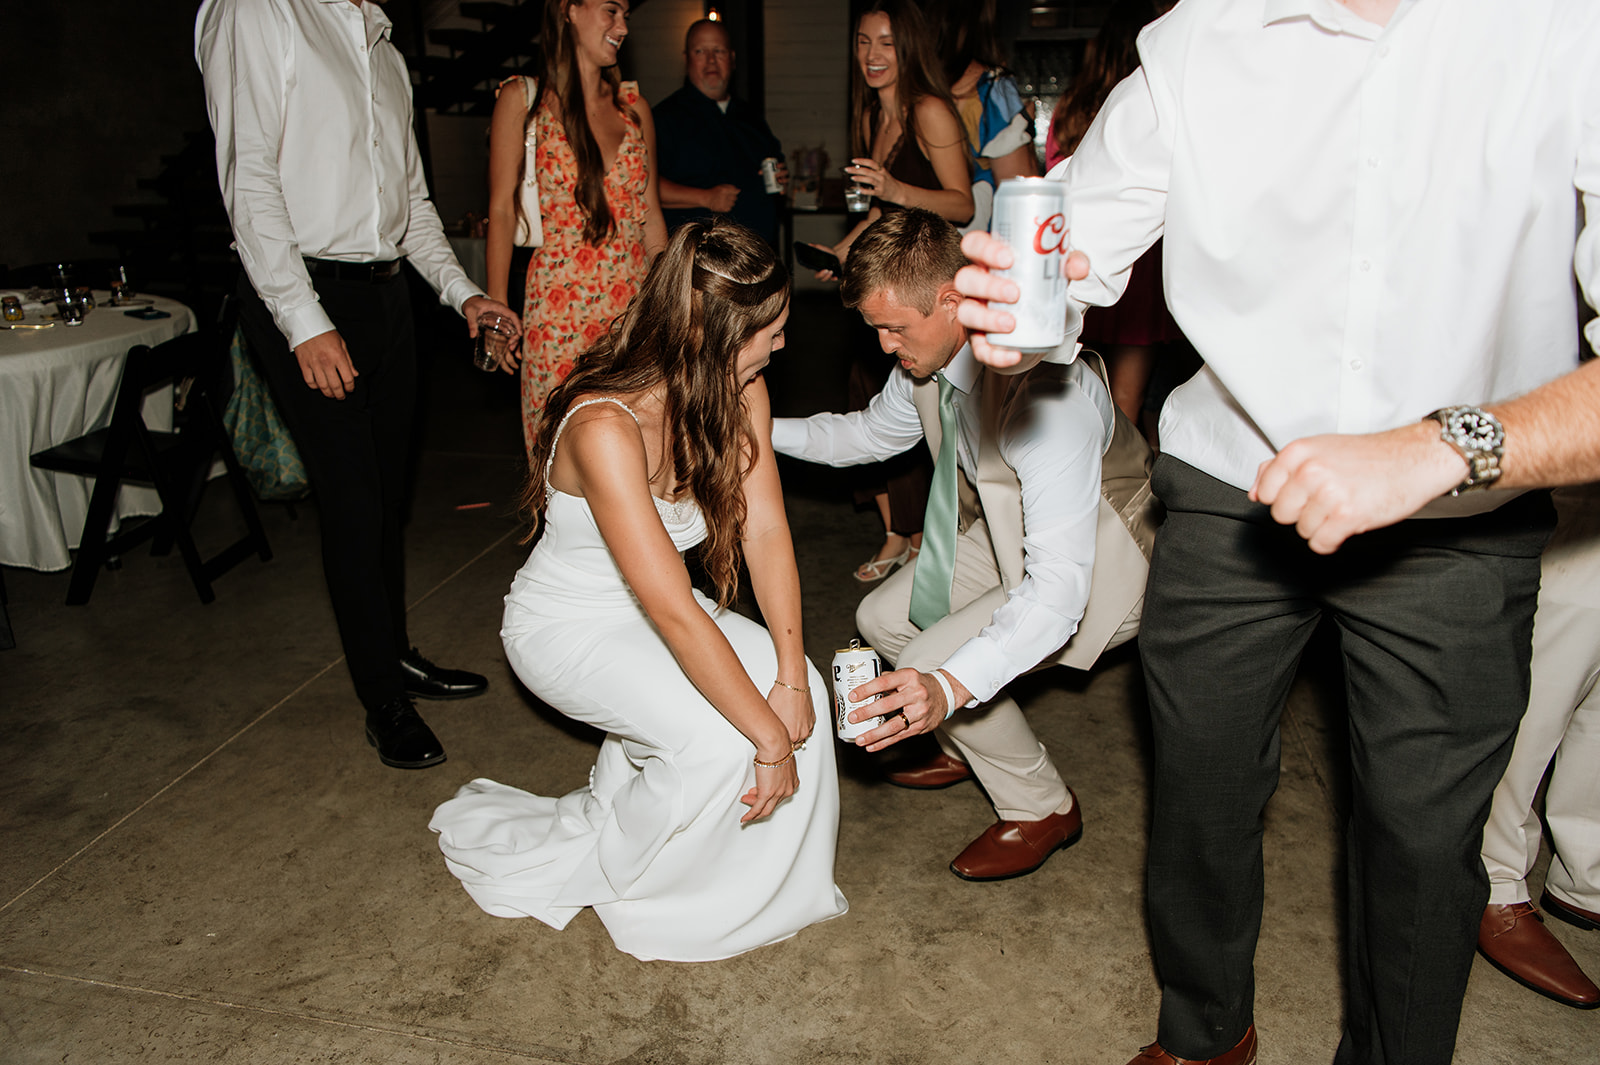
(91, 97)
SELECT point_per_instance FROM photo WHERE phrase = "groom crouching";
(1040, 493)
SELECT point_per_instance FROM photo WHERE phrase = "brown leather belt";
(371, 273)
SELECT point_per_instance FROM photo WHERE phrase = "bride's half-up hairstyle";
(715, 287)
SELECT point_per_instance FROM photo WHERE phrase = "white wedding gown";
(654, 842)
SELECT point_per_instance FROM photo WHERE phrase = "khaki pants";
(1562, 723)
(994, 737)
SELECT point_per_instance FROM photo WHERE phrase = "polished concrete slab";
(205, 861)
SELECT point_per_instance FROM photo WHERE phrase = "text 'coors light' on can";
(852, 666)
(1032, 216)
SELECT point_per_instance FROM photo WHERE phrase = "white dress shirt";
(1362, 223)
(1055, 429)
(316, 157)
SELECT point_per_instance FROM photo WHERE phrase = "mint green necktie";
(936, 565)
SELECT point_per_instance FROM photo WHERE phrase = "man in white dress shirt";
(1369, 209)
(1024, 492)
(311, 105)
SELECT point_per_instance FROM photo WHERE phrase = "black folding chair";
(177, 463)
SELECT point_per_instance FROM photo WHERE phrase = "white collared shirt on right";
(1362, 224)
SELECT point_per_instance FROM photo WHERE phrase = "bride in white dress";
(709, 823)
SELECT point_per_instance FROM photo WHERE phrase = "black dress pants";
(1435, 619)
(355, 451)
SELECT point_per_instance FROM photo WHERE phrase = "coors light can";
(852, 666)
(769, 175)
(1032, 215)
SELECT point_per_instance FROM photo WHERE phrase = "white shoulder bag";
(530, 229)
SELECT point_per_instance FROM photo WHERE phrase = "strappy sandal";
(879, 568)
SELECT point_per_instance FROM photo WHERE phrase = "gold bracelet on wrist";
(791, 687)
(773, 765)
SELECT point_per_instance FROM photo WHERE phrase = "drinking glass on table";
(121, 286)
(496, 334)
(71, 308)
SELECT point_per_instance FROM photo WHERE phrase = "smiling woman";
(583, 138)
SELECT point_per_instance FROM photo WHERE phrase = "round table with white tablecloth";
(58, 383)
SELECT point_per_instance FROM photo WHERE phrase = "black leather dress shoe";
(425, 680)
(402, 738)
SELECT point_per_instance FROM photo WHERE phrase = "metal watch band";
(1478, 437)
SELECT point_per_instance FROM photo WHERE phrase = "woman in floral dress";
(598, 205)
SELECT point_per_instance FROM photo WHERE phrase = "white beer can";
(852, 666)
(769, 175)
(1032, 216)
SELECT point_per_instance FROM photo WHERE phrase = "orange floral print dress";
(576, 289)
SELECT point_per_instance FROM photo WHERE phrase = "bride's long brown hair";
(715, 287)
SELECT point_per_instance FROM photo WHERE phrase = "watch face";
(1475, 430)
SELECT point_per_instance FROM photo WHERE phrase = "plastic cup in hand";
(857, 198)
(495, 336)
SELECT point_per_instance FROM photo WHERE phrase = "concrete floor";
(206, 862)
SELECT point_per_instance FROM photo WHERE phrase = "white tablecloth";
(57, 384)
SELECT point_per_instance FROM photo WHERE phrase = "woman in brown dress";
(909, 150)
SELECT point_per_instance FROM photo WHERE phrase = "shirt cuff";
(979, 665)
(304, 322)
(789, 436)
(457, 293)
(1066, 352)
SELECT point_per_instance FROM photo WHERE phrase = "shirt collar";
(378, 24)
(1329, 14)
(962, 370)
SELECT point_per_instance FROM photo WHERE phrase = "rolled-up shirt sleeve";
(887, 427)
(245, 52)
(1053, 436)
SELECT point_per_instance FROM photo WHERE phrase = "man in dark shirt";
(710, 145)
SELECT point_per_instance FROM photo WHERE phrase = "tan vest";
(1129, 512)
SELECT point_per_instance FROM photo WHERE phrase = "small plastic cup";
(495, 337)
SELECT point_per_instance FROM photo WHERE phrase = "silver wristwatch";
(1479, 437)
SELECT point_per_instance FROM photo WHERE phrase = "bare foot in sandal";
(896, 551)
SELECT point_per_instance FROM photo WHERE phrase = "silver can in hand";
(769, 175)
(1032, 216)
(853, 666)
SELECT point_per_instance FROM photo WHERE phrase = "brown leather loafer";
(1514, 940)
(940, 771)
(1243, 1053)
(1587, 920)
(1016, 848)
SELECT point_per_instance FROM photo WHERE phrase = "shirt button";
(1383, 51)
(380, 190)
(1356, 364)
(374, 142)
(1372, 161)
(1366, 264)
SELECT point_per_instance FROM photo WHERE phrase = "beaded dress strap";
(575, 408)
